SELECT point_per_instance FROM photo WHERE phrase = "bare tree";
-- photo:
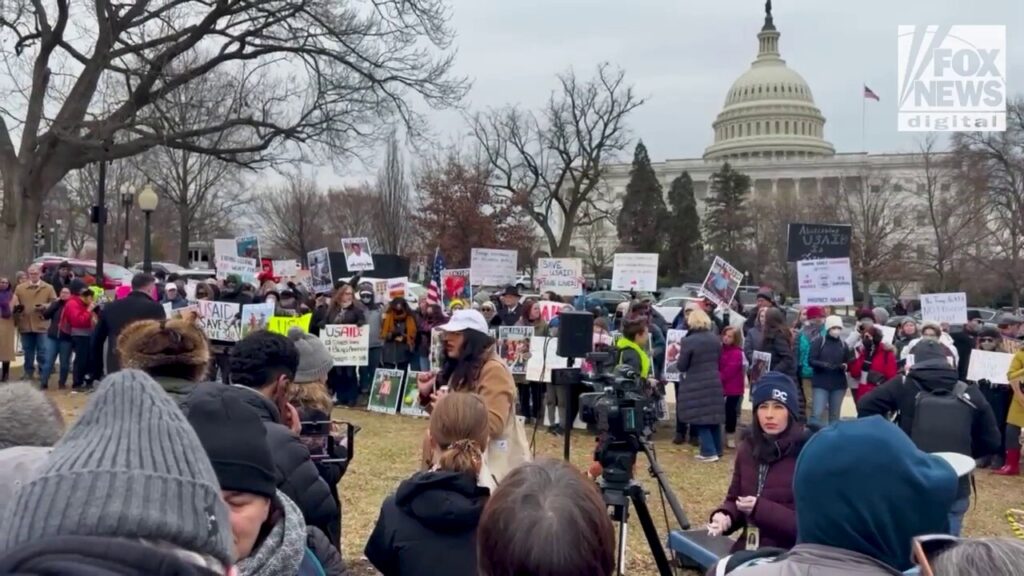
(329, 76)
(597, 255)
(291, 216)
(78, 193)
(352, 212)
(995, 161)
(552, 165)
(391, 225)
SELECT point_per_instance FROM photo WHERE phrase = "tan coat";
(7, 343)
(35, 299)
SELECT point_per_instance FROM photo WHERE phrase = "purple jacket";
(730, 368)
(775, 511)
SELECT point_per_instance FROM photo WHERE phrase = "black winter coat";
(701, 399)
(428, 527)
(783, 359)
(329, 556)
(826, 358)
(297, 475)
(95, 556)
(113, 319)
(52, 313)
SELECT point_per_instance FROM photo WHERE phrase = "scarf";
(282, 551)
(5, 303)
(390, 321)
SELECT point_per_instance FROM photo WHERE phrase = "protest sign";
(396, 288)
(168, 309)
(348, 344)
(219, 320)
(514, 346)
(380, 290)
(286, 268)
(490, 267)
(825, 282)
(818, 241)
(243, 267)
(673, 346)
(948, 308)
(638, 272)
(255, 317)
(548, 309)
(563, 276)
(320, 277)
(411, 393)
(722, 283)
(436, 350)
(543, 358)
(386, 391)
(247, 246)
(224, 247)
(991, 366)
(282, 324)
(888, 333)
(761, 364)
(455, 285)
(357, 254)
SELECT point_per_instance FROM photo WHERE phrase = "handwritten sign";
(281, 324)
(818, 241)
(386, 391)
(991, 366)
(637, 272)
(348, 344)
(721, 283)
(563, 276)
(490, 267)
(548, 309)
(673, 346)
(220, 320)
(950, 307)
(286, 268)
(514, 346)
(244, 267)
(825, 282)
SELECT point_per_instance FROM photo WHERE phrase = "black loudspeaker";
(575, 334)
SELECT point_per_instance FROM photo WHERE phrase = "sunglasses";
(925, 548)
(986, 339)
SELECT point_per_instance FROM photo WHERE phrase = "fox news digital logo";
(952, 78)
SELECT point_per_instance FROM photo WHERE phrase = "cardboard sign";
(357, 254)
(386, 391)
(637, 272)
(411, 393)
(563, 276)
(673, 346)
(490, 267)
(825, 282)
(220, 320)
(246, 268)
(991, 366)
(248, 246)
(514, 346)
(721, 283)
(256, 317)
(286, 268)
(321, 280)
(348, 344)
(548, 309)
(282, 324)
(948, 308)
(818, 241)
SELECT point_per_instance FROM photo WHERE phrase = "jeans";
(80, 344)
(366, 372)
(710, 439)
(35, 345)
(956, 515)
(57, 349)
(827, 400)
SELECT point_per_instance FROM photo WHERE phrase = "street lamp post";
(126, 201)
(147, 203)
(56, 237)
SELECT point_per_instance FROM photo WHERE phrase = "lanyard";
(762, 474)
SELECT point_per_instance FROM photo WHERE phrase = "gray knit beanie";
(314, 359)
(27, 417)
(130, 467)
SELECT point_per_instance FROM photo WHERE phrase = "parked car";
(198, 274)
(523, 281)
(669, 307)
(113, 275)
(165, 267)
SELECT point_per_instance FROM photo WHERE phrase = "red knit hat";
(815, 312)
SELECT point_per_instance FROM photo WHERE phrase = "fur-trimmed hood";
(28, 417)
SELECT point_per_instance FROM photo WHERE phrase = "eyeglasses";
(925, 548)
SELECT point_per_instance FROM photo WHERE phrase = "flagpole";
(863, 118)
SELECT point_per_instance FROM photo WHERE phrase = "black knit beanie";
(235, 440)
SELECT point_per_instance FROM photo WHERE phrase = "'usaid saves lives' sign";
(818, 241)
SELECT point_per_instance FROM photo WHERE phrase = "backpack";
(943, 420)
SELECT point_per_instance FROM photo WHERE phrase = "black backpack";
(943, 419)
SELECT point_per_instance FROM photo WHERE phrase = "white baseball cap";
(466, 320)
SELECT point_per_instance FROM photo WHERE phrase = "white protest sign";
(991, 366)
(721, 283)
(888, 333)
(285, 268)
(543, 358)
(827, 282)
(637, 272)
(220, 320)
(563, 276)
(224, 247)
(491, 267)
(549, 309)
(348, 344)
(168, 309)
(950, 308)
(244, 267)
(397, 287)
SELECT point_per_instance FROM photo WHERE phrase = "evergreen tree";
(728, 228)
(684, 250)
(641, 220)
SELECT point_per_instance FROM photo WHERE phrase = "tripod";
(618, 496)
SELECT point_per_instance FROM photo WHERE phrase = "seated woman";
(761, 492)
(429, 525)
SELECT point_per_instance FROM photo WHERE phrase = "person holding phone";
(31, 299)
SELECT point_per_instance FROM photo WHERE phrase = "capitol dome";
(769, 111)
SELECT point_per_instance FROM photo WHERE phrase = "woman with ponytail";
(428, 527)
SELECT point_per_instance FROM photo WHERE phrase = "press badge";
(753, 538)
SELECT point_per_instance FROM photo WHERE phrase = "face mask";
(835, 332)
(271, 300)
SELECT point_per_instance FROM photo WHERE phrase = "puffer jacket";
(701, 399)
(818, 560)
(297, 475)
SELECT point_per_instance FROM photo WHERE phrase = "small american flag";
(434, 290)
(868, 93)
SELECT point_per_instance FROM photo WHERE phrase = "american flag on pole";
(868, 93)
(434, 290)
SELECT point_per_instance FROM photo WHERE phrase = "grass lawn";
(388, 446)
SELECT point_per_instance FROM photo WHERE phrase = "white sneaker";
(707, 458)
(730, 443)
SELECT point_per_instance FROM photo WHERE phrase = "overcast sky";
(682, 55)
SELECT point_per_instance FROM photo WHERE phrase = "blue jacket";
(826, 356)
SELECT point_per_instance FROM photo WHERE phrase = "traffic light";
(40, 235)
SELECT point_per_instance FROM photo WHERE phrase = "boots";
(1012, 467)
